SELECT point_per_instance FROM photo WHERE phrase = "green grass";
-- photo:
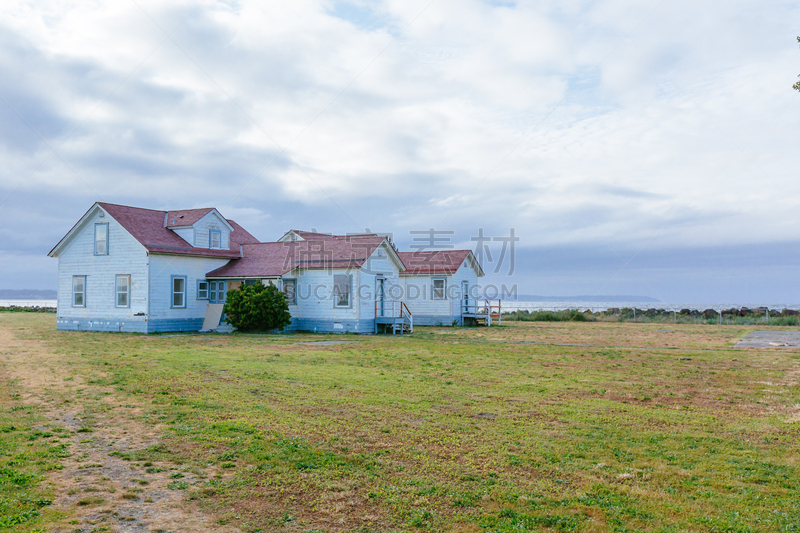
(28, 451)
(466, 430)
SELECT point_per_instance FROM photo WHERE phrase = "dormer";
(202, 228)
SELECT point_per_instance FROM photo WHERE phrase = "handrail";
(392, 309)
(485, 308)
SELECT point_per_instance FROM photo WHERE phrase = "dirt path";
(100, 488)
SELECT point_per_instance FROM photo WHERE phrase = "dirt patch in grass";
(101, 483)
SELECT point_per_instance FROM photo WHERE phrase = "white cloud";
(621, 140)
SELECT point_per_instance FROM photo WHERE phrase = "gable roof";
(312, 235)
(442, 262)
(269, 259)
(185, 217)
(147, 227)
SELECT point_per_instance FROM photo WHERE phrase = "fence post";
(675, 316)
(634, 315)
(720, 318)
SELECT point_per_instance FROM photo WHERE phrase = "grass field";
(526, 427)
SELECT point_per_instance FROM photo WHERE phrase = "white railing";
(395, 309)
(487, 309)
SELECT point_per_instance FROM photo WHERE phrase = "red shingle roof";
(269, 259)
(186, 217)
(147, 227)
(442, 262)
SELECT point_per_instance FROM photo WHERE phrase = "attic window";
(215, 239)
(101, 239)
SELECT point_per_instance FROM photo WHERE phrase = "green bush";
(566, 315)
(257, 308)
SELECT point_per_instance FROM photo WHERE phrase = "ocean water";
(510, 305)
(28, 303)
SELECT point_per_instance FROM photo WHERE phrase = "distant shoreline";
(586, 298)
(27, 294)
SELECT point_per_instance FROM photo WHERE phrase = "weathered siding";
(187, 234)
(393, 286)
(126, 256)
(428, 311)
(205, 225)
(162, 268)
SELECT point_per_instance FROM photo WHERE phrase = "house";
(126, 268)
(441, 286)
(131, 269)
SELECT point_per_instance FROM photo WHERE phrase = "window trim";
(207, 289)
(83, 293)
(173, 293)
(349, 293)
(117, 293)
(211, 239)
(293, 301)
(434, 290)
(213, 294)
(96, 224)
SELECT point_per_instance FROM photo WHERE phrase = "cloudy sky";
(644, 147)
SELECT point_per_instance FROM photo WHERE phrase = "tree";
(257, 308)
(796, 86)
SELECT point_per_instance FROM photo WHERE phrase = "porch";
(393, 317)
(481, 312)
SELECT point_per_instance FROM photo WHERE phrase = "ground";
(526, 427)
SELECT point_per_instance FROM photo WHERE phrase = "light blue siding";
(430, 312)
(211, 222)
(126, 256)
(163, 268)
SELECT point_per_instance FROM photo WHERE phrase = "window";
(178, 291)
(216, 291)
(341, 291)
(123, 290)
(78, 291)
(289, 289)
(101, 239)
(202, 289)
(215, 239)
(249, 282)
(438, 289)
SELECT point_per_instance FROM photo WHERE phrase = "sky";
(645, 148)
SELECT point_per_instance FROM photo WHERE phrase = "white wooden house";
(124, 268)
(130, 269)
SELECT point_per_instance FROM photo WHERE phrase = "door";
(380, 296)
(465, 296)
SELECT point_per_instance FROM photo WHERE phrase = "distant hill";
(586, 298)
(27, 294)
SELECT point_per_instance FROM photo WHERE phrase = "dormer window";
(101, 239)
(215, 238)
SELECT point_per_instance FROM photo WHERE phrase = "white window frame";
(293, 283)
(127, 293)
(434, 290)
(82, 293)
(211, 239)
(96, 227)
(173, 293)
(200, 290)
(349, 291)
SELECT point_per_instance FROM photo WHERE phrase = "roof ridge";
(133, 207)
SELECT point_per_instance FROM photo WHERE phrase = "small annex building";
(132, 269)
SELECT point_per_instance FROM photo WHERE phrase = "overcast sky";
(634, 147)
